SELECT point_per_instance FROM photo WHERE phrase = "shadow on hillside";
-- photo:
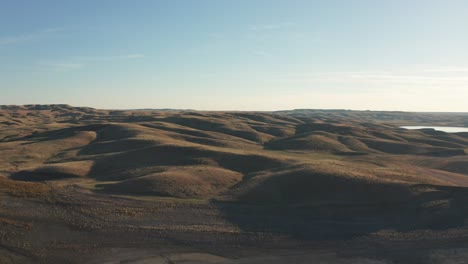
(438, 208)
(33, 176)
(121, 166)
(63, 133)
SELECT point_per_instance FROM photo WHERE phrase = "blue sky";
(236, 55)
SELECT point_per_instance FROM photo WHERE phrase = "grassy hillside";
(76, 183)
(225, 154)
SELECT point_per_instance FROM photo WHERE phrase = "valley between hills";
(84, 185)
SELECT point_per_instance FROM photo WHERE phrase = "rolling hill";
(237, 169)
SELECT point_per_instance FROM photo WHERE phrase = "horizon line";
(198, 110)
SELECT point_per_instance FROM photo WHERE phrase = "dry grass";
(310, 141)
(180, 182)
(204, 154)
(23, 189)
(142, 179)
(18, 224)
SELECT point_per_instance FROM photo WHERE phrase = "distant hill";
(198, 154)
(78, 181)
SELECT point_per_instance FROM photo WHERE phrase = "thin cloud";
(265, 27)
(377, 78)
(17, 39)
(448, 70)
(81, 62)
(28, 36)
(62, 66)
(263, 53)
(111, 58)
(51, 30)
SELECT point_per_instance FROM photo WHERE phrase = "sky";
(406, 55)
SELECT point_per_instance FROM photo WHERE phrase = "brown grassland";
(82, 185)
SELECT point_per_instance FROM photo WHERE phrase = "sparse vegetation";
(91, 178)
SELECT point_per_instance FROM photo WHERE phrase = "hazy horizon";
(243, 55)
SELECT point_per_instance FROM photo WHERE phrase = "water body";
(440, 128)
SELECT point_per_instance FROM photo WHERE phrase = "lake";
(440, 128)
